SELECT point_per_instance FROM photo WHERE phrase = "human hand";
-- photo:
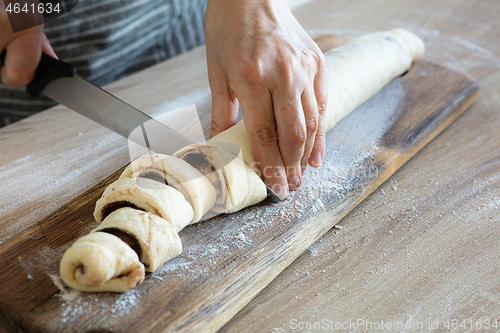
(259, 56)
(24, 50)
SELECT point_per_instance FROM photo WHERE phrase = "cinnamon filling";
(200, 162)
(220, 194)
(127, 238)
(112, 206)
(155, 175)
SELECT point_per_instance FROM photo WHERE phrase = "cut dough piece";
(158, 241)
(224, 170)
(101, 262)
(357, 70)
(172, 171)
(161, 200)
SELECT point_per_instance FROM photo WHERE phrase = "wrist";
(244, 14)
(227, 3)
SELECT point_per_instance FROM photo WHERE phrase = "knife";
(59, 81)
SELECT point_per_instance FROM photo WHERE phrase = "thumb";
(224, 104)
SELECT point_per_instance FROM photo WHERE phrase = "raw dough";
(195, 187)
(157, 241)
(225, 171)
(147, 195)
(257, 191)
(101, 262)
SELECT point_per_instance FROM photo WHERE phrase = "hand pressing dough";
(161, 200)
(357, 70)
(154, 240)
(172, 171)
(100, 261)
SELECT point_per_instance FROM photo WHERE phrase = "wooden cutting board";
(227, 260)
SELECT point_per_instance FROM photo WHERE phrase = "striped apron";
(108, 39)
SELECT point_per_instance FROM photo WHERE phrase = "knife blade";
(58, 80)
(100, 106)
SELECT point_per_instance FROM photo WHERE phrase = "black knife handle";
(48, 70)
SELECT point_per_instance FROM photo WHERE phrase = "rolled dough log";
(172, 171)
(357, 70)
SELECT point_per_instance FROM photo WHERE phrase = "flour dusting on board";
(68, 294)
(35, 185)
(77, 305)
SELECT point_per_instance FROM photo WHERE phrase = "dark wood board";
(227, 260)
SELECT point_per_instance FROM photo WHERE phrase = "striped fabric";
(109, 39)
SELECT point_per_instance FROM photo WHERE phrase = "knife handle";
(48, 70)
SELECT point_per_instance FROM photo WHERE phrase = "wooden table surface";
(422, 250)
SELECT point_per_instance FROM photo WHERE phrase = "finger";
(321, 93)
(310, 107)
(23, 56)
(224, 103)
(292, 134)
(259, 120)
(47, 48)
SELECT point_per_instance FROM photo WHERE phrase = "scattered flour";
(36, 187)
(241, 237)
(68, 294)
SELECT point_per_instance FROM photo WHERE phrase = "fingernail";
(293, 183)
(316, 160)
(303, 169)
(281, 191)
